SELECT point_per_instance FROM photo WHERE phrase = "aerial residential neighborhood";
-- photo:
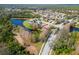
(39, 29)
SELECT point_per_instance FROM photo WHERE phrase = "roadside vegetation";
(66, 44)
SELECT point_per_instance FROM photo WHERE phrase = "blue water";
(74, 29)
(19, 22)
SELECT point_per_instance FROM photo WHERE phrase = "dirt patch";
(3, 49)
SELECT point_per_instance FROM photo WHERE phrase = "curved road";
(47, 47)
(53, 35)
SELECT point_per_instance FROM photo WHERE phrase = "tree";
(65, 44)
(7, 36)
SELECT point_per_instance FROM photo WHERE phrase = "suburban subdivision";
(39, 29)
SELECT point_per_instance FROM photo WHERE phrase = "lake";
(19, 22)
(75, 29)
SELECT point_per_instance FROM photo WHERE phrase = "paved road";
(52, 37)
(47, 47)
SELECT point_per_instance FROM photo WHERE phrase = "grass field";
(38, 45)
(27, 25)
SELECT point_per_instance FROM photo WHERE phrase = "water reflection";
(75, 29)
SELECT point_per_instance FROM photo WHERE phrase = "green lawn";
(27, 25)
(38, 45)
